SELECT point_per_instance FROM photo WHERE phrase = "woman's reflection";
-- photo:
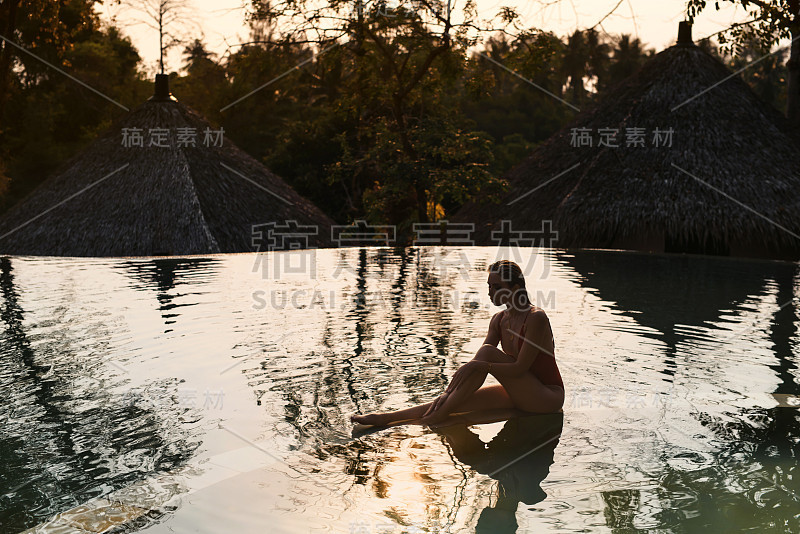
(518, 457)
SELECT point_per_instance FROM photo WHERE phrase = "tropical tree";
(585, 58)
(627, 55)
(47, 116)
(51, 28)
(574, 63)
(400, 64)
(521, 106)
(498, 48)
(205, 84)
(288, 117)
(765, 72)
(597, 55)
(8, 27)
(769, 21)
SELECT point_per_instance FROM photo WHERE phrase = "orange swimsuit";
(544, 366)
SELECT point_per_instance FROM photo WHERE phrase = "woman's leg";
(385, 418)
(526, 391)
(487, 353)
(487, 397)
(453, 400)
(447, 406)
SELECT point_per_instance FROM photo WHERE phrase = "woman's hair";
(511, 273)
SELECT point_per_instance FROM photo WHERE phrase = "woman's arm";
(493, 337)
(537, 329)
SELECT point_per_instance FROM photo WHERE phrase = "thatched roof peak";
(685, 34)
(161, 90)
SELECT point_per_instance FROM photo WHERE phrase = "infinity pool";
(212, 394)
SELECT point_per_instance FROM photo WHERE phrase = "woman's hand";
(436, 404)
(460, 375)
(463, 373)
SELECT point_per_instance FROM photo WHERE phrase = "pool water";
(212, 394)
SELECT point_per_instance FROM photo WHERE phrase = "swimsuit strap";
(522, 337)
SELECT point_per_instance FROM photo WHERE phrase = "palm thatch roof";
(114, 199)
(728, 184)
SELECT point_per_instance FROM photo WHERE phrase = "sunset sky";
(655, 23)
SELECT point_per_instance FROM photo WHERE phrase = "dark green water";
(219, 395)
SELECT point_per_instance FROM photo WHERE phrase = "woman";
(525, 367)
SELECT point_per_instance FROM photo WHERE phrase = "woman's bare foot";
(434, 418)
(369, 419)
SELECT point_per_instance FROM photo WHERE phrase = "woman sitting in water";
(526, 367)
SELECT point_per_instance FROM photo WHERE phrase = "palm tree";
(597, 56)
(195, 55)
(574, 64)
(628, 55)
(585, 56)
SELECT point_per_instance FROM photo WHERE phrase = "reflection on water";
(518, 457)
(162, 273)
(747, 483)
(238, 385)
(66, 436)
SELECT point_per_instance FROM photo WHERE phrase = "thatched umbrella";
(726, 182)
(185, 190)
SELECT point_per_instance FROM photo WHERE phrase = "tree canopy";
(768, 22)
(394, 113)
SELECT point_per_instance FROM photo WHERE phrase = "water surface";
(215, 392)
